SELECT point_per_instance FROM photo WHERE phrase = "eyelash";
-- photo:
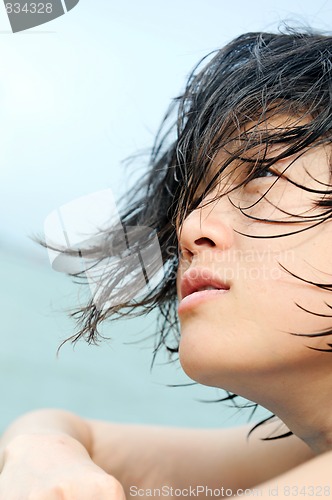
(267, 172)
(258, 174)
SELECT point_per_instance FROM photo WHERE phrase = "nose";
(208, 228)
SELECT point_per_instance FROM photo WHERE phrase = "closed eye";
(265, 172)
(260, 173)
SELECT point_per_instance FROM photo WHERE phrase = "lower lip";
(196, 298)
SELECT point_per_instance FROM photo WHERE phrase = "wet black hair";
(228, 98)
(220, 123)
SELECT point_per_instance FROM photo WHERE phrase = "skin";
(240, 340)
(52, 454)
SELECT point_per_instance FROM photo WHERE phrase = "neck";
(300, 399)
(311, 425)
(308, 416)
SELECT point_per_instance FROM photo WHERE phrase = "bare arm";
(311, 479)
(47, 455)
(150, 456)
(49, 421)
(144, 457)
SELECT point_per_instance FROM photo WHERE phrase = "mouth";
(200, 280)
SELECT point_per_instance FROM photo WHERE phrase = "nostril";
(205, 241)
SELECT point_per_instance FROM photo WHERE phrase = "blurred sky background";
(77, 96)
(85, 91)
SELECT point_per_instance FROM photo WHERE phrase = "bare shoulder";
(309, 479)
(153, 456)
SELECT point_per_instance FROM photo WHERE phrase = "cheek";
(284, 275)
(285, 303)
(211, 348)
(237, 347)
(276, 200)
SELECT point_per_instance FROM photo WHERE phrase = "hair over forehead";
(261, 98)
(255, 73)
(254, 79)
(261, 89)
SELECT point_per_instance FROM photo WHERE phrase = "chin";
(234, 381)
(202, 367)
(238, 368)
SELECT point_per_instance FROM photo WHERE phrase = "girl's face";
(240, 328)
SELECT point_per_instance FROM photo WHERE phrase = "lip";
(192, 281)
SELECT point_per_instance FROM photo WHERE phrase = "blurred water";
(112, 381)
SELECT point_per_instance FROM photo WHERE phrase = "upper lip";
(197, 278)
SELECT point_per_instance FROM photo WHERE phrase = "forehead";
(280, 141)
(276, 119)
(272, 136)
(269, 129)
(260, 145)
